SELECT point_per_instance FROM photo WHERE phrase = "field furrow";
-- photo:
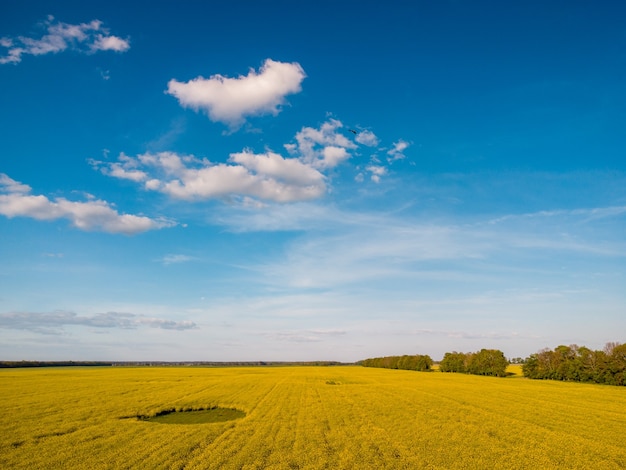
(307, 418)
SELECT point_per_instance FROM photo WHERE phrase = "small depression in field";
(213, 415)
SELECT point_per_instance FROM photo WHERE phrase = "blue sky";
(311, 180)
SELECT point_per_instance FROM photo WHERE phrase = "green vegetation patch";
(212, 415)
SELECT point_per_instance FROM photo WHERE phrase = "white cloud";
(54, 322)
(333, 156)
(377, 171)
(322, 148)
(125, 168)
(110, 43)
(92, 215)
(83, 37)
(397, 152)
(247, 176)
(367, 138)
(10, 185)
(287, 169)
(230, 100)
(266, 176)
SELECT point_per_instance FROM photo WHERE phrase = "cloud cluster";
(84, 37)
(230, 100)
(249, 176)
(397, 151)
(54, 322)
(267, 176)
(322, 148)
(16, 200)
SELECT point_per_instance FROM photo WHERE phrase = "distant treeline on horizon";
(571, 363)
(16, 364)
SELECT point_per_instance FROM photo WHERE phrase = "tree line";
(484, 362)
(579, 364)
(16, 364)
(417, 362)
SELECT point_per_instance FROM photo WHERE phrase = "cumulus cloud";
(110, 43)
(367, 138)
(231, 100)
(124, 168)
(322, 148)
(397, 152)
(11, 186)
(16, 200)
(249, 177)
(376, 172)
(53, 322)
(266, 176)
(84, 37)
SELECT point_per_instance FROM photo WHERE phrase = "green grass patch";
(213, 415)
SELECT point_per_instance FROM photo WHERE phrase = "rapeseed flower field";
(344, 417)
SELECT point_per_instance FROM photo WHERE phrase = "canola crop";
(306, 418)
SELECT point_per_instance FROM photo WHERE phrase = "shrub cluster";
(484, 362)
(580, 364)
(417, 362)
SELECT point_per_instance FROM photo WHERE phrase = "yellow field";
(307, 417)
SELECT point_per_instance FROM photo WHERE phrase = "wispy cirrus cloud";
(84, 37)
(586, 214)
(54, 322)
(175, 259)
(231, 100)
(16, 200)
(304, 336)
(349, 248)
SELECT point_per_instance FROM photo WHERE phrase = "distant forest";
(579, 364)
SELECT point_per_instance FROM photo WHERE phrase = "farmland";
(306, 417)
